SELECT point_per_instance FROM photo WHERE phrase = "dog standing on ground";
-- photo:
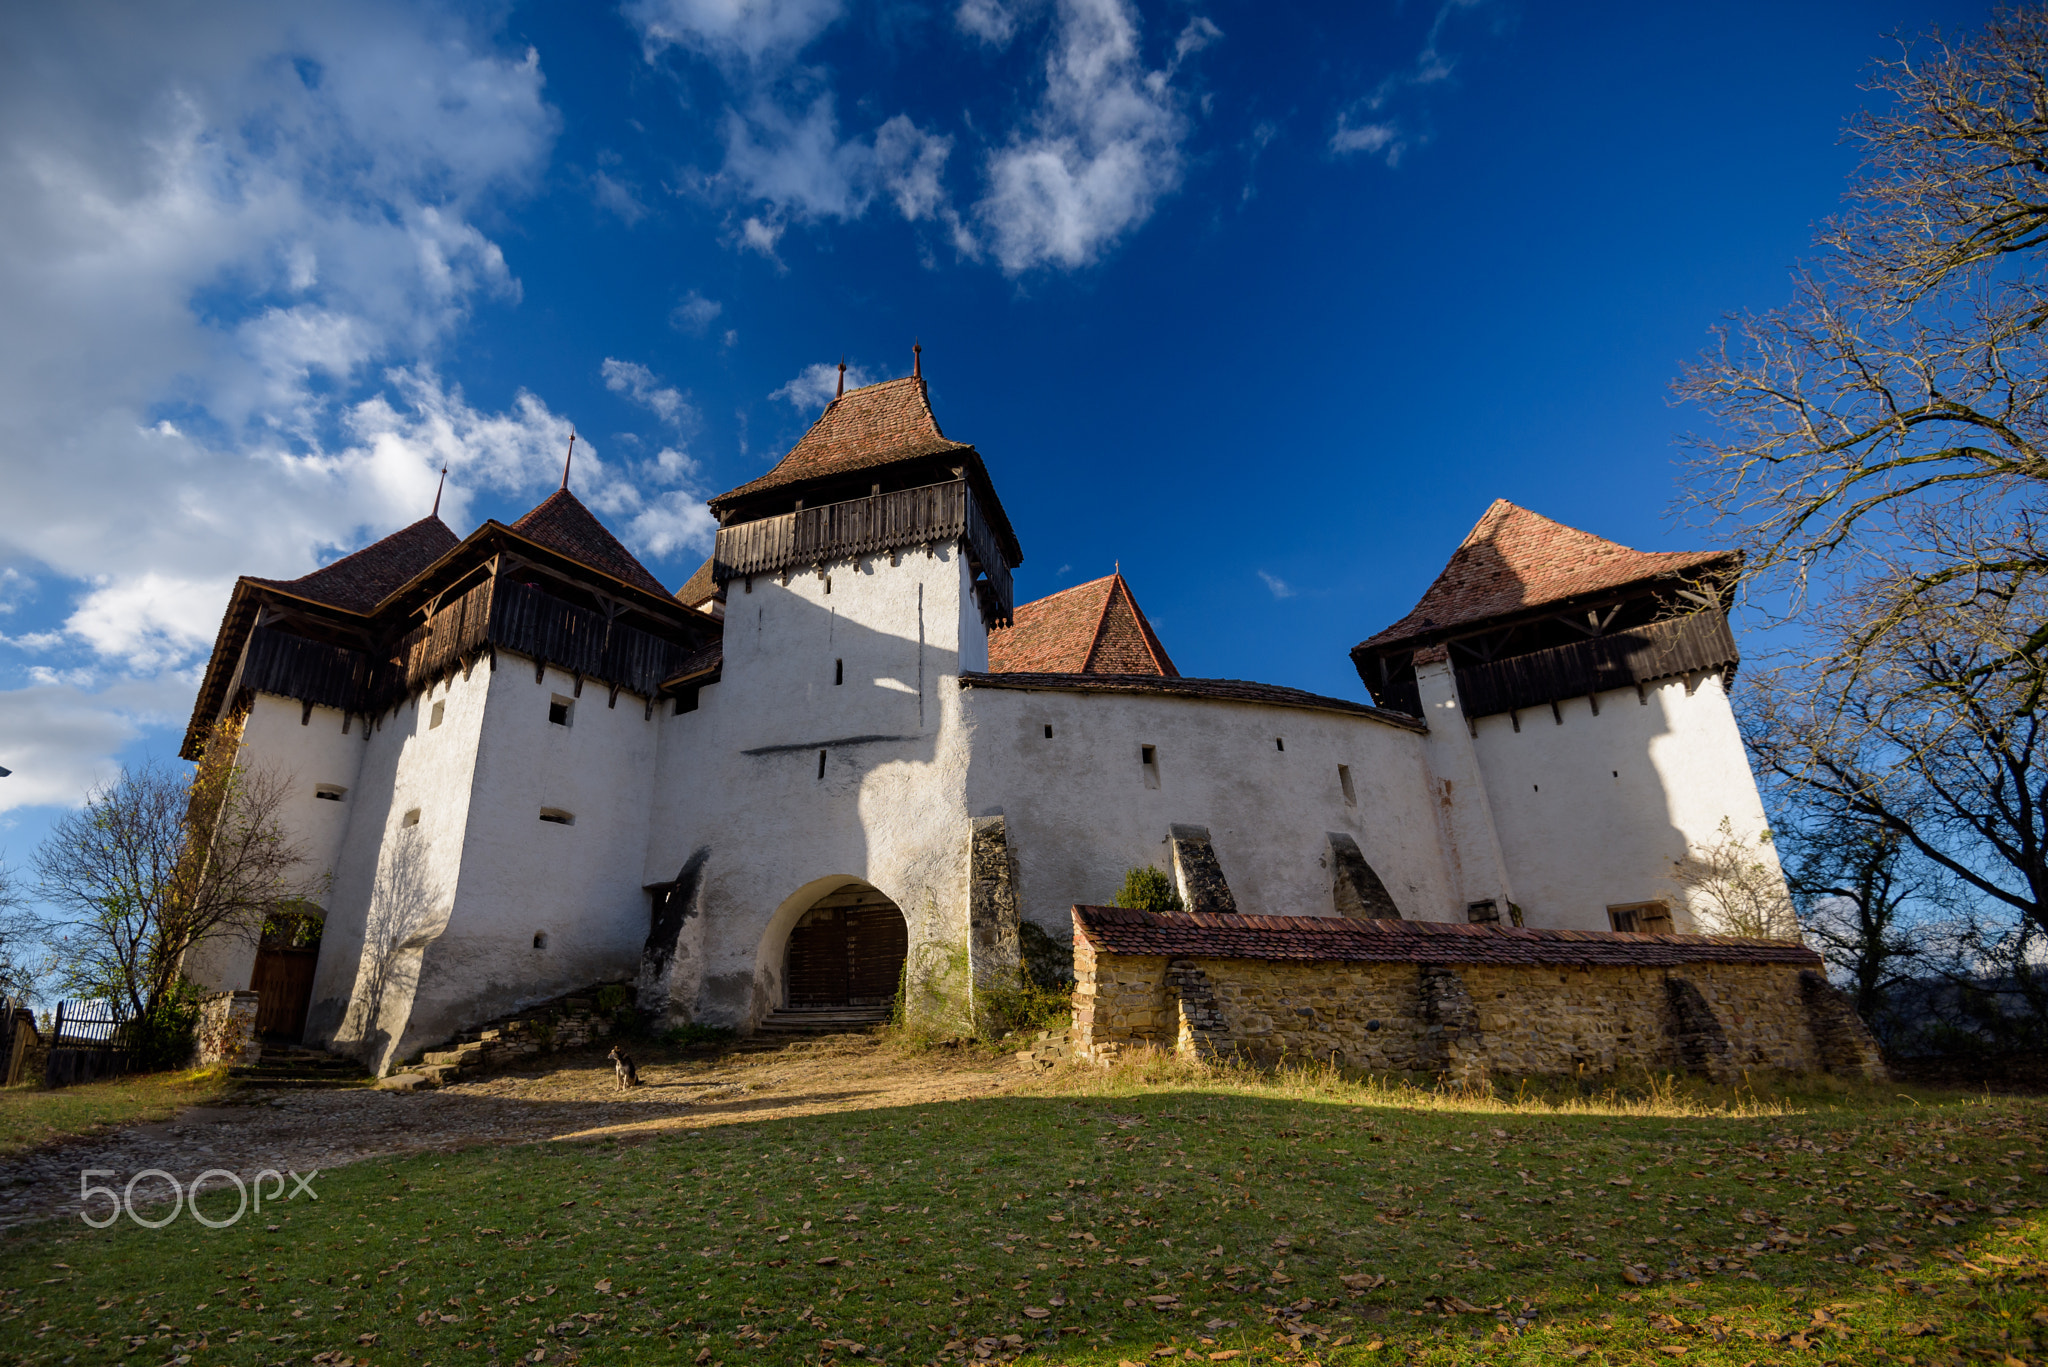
(622, 1067)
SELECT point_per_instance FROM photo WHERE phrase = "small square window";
(411, 818)
(560, 709)
(1641, 918)
(1483, 913)
(439, 715)
(540, 939)
(330, 792)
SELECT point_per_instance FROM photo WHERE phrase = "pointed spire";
(842, 379)
(437, 492)
(570, 457)
(916, 360)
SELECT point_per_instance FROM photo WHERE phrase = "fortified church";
(841, 759)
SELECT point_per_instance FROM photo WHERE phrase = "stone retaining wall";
(227, 1031)
(1463, 1022)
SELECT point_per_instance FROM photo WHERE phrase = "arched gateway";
(847, 951)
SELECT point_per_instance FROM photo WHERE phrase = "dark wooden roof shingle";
(562, 523)
(361, 580)
(1336, 939)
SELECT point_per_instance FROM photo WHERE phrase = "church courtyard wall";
(1457, 1003)
(1082, 805)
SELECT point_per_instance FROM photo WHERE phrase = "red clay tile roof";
(1515, 559)
(562, 523)
(698, 588)
(1092, 628)
(1215, 690)
(880, 424)
(360, 581)
(1337, 939)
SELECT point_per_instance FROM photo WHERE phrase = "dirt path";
(575, 1097)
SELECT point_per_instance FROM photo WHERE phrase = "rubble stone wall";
(227, 1031)
(1466, 1022)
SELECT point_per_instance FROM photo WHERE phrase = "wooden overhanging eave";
(494, 536)
(1539, 612)
(678, 682)
(245, 603)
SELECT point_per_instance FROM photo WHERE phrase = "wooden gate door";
(848, 950)
(284, 986)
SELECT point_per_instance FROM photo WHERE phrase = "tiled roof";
(1336, 939)
(562, 523)
(360, 581)
(1092, 628)
(699, 587)
(1218, 690)
(880, 424)
(1515, 559)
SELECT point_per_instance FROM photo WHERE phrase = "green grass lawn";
(1116, 1219)
(31, 1116)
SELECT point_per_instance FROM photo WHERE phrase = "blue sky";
(1265, 301)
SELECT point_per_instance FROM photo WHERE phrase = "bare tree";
(1733, 886)
(17, 937)
(156, 862)
(1891, 419)
(1865, 901)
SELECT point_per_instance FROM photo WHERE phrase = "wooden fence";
(89, 1040)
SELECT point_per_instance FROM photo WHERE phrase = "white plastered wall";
(739, 777)
(395, 883)
(305, 748)
(1078, 812)
(1593, 811)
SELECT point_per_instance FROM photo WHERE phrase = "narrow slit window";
(330, 792)
(1344, 782)
(560, 710)
(439, 715)
(1280, 744)
(821, 764)
(1048, 731)
(828, 583)
(1148, 760)
(411, 818)
(557, 817)
(838, 672)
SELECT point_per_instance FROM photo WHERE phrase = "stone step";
(823, 1022)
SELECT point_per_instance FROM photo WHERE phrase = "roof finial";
(566, 459)
(842, 379)
(437, 492)
(916, 359)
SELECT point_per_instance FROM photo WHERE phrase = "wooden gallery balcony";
(1693, 644)
(868, 526)
(497, 614)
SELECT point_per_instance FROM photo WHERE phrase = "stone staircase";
(292, 1067)
(782, 1026)
(566, 1023)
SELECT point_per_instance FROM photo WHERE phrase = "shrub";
(1048, 963)
(1147, 889)
(612, 996)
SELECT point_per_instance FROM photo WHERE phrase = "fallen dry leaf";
(1578, 1350)
(1634, 1278)
(605, 1285)
(1036, 1312)
(1226, 1355)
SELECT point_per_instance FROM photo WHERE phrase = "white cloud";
(993, 22)
(816, 385)
(245, 212)
(59, 737)
(799, 166)
(1279, 587)
(643, 387)
(617, 197)
(1104, 146)
(758, 235)
(1367, 127)
(732, 31)
(695, 313)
